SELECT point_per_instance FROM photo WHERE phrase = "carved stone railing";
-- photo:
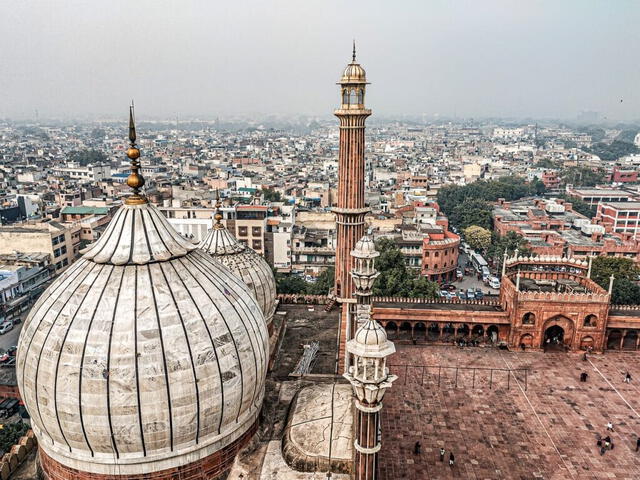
(302, 299)
(444, 301)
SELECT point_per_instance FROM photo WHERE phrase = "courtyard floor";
(541, 424)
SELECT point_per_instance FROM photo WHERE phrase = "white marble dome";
(146, 354)
(248, 265)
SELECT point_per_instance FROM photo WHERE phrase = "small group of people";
(417, 450)
(584, 376)
(604, 444)
(466, 343)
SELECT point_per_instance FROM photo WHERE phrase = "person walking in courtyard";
(442, 451)
(627, 378)
(609, 426)
(638, 443)
(416, 448)
(451, 459)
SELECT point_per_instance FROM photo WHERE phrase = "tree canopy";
(625, 289)
(10, 434)
(470, 204)
(477, 237)
(86, 157)
(396, 279)
(583, 176)
(288, 283)
(271, 195)
(613, 150)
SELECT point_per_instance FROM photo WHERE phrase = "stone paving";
(547, 431)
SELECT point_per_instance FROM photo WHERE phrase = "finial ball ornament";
(133, 153)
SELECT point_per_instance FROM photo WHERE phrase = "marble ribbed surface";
(138, 234)
(157, 363)
(254, 270)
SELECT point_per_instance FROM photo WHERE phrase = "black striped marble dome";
(145, 351)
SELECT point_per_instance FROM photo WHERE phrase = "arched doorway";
(405, 330)
(630, 340)
(492, 333)
(392, 329)
(613, 340)
(433, 332)
(554, 338)
(448, 331)
(463, 330)
(558, 333)
(586, 343)
(420, 331)
(477, 330)
(526, 340)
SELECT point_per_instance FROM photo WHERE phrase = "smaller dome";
(365, 248)
(354, 73)
(370, 340)
(371, 333)
(245, 263)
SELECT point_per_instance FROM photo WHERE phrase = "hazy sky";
(224, 57)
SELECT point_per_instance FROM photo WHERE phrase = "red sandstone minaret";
(351, 209)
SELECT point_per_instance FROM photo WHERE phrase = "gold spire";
(218, 215)
(134, 180)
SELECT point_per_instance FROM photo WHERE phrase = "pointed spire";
(354, 51)
(134, 180)
(218, 215)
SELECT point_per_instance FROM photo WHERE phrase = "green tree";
(287, 283)
(471, 211)
(583, 176)
(477, 237)
(625, 271)
(470, 204)
(614, 150)
(86, 157)
(509, 243)
(395, 279)
(324, 282)
(625, 292)
(272, 195)
(546, 163)
(10, 434)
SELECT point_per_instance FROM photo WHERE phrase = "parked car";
(449, 286)
(6, 327)
(479, 294)
(494, 282)
(471, 294)
(462, 295)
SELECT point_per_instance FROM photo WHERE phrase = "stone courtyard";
(541, 423)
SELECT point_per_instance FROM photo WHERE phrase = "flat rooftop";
(546, 431)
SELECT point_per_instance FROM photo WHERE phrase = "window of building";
(590, 321)
(437, 254)
(242, 231)
(528, 318)
(257, 244)
(256, 231)
(426, 254)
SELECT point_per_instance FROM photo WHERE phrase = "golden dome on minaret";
(353, 73)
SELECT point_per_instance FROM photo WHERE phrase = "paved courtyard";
(544, 431)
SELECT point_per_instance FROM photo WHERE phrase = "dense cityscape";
(366, 292)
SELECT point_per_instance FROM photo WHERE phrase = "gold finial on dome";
(218, 215)
(135, 179)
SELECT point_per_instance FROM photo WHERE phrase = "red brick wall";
(213, 467)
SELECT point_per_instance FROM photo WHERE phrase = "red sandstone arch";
(613, 339)
(586, 343)
(526, 340)
(529, 318)
(590, 321)
(560, 321)
(630, 340)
